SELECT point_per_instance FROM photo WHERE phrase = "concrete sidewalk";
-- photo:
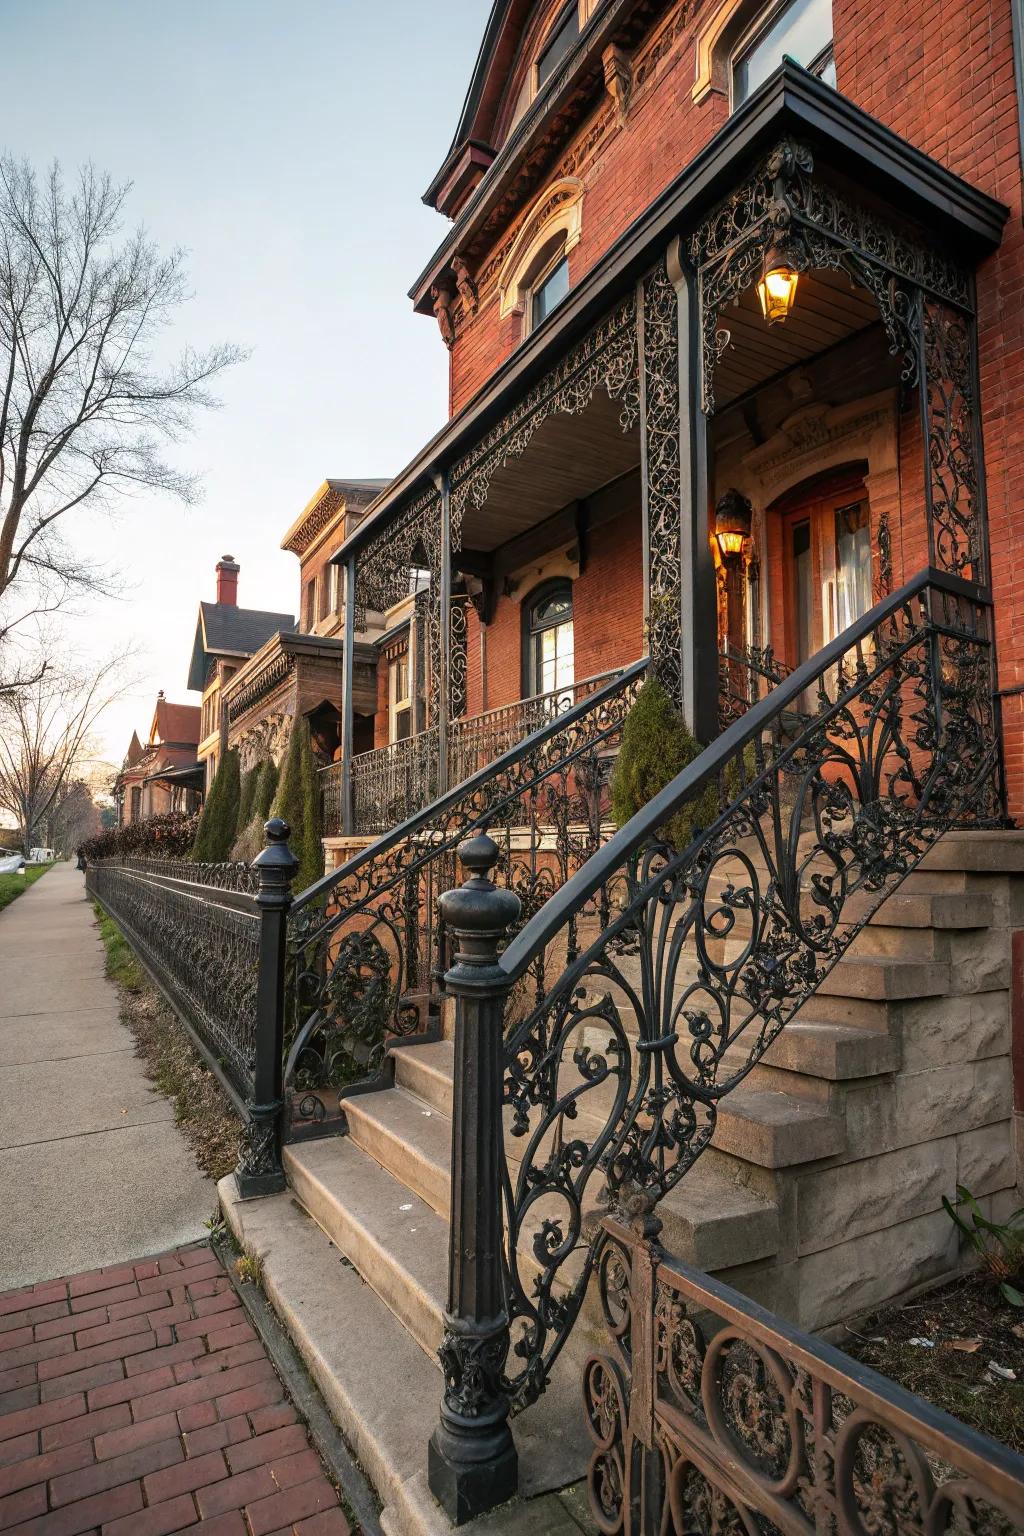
(93, 1169)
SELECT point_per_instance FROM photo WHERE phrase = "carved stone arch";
(716, 38)
(556, 213)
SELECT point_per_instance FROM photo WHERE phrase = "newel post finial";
(472, 1463)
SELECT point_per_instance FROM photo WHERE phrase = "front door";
(825, 542)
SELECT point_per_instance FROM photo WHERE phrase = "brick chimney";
(227, 581)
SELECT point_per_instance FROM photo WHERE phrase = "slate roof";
(224, 630)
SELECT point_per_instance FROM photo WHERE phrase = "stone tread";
(397, 1241)
(772, 1129)
(833, 1052)
(382, 1389)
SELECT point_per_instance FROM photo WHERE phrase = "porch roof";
(844, 138)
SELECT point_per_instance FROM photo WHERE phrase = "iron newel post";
(472, 1461)
(259, 1170)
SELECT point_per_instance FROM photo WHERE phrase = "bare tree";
(85, 411)
(45, 738)
(73, 816)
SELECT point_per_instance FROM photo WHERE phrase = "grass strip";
(12, 886)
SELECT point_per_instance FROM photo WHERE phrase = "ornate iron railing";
(388, 784)
(477, 740)
(710, 1415)
(366, 946)
(732, 892)
(744, 677)
(391, 783)
(196, 928)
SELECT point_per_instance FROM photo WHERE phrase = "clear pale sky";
(286, 144)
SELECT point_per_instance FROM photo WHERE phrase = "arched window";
(548, 638)
(799, 29)
(535, 276)
(742, 42)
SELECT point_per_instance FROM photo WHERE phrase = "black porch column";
(443, 598)
(348, 666)
(472, 1463)
(699, 609)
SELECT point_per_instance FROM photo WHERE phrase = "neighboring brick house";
(165, 774)
(226, 636)
(299, 671)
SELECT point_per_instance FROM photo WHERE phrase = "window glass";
(560, 40)
(549, 293)
(853, 563)
(551, 658)
(803, 30)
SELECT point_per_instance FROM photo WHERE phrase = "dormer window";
(549, 290)
(560, 39)
(799, 29)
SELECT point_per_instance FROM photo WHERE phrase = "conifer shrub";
(247, 795)
(250, 839)
(298, 803)
(219, 820)
(657, 744)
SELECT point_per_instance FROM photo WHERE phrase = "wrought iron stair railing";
(732, 902)
(365, 945)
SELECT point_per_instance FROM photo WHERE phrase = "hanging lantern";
(733, 519)
(777, 288)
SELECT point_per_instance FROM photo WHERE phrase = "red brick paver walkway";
(138, 1401)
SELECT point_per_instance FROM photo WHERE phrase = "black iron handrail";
(687, 786)
(732, 888)
(420, 820)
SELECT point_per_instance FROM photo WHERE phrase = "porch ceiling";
(568, 458)
(828, 309)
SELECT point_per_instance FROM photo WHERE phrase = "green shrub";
(999, 1245)
(258, 786)
(219, 819)
(298, 802)
(657, 744)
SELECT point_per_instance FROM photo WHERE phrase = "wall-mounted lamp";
(733, 520)
(777, 288)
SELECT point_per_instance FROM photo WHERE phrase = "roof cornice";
(792, 101)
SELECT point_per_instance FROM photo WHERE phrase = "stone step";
(774, 1130)
(407, 1136)
(397, 1242)
(835, 1052)
(923, 909)
(884, 979)
(383, 1391)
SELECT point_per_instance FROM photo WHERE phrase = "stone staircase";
(819, 1196)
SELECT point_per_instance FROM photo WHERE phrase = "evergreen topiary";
(298, 803)
(657, 744)
(219, 819)
(257, 798)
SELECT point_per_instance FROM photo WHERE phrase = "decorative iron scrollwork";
(615, 1076)
(366, 949)
(924, 302)
(739, 1424)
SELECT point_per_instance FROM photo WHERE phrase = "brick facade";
(943, 78)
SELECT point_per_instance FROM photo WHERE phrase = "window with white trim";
(549, 290)
(798, 29)
(550, 646)
(399, 697)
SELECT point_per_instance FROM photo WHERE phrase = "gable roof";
(177, 724)
(224, 630)
(134, 752)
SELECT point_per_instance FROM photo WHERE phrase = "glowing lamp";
(733, 518)
(777, 288)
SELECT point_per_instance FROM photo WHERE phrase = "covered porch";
(680, 464)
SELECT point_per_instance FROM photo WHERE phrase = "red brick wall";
(607, 618)
(942, 77)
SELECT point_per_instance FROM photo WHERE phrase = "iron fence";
(710, 1415)
(196, 927)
